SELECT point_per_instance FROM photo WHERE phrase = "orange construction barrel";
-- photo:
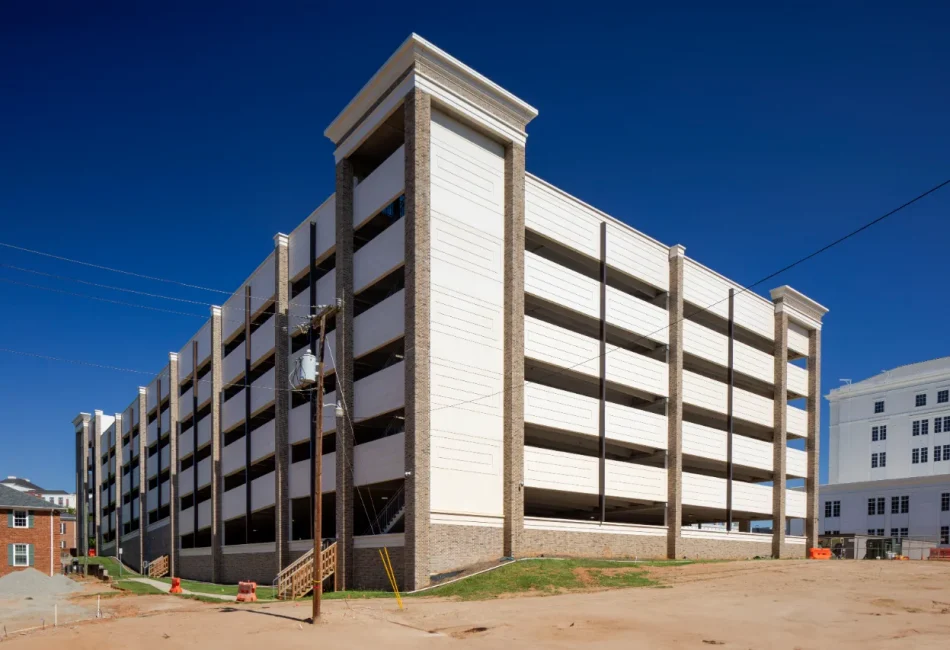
(176, 586)
(247, 592)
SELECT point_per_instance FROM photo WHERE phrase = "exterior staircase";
(297, 579)
(390, 515)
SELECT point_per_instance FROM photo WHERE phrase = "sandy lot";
(788, 604)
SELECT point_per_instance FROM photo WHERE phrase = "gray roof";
(21, 482)
(10, 498)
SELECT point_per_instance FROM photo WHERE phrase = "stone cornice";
(799, 307)
(418, 63)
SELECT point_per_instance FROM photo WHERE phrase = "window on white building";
(905, 504)
(945, 502)
(874, 431)
(21, 519)
(903, 532)
(871, 532)
(895, 532)
(827, 508)
(924, 427)
(945, 534)
(836, 509)
(946, 423)
(920, 400)
(883, 432)
(871, 505)
(879, 406)
(60, 501)
(21, 555)
(943, 396)
(873, 460)
(937, 423)
(923, 454)
(946, 452)
(882, 457)
(915, 428)
(895, 505)
(915, 456)
(880, 532)
(880, 505)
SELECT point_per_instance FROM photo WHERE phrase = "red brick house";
(29, 533)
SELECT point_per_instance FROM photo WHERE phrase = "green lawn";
(343, 595)
(547, 577)
(138, 588)
(110, 563)
(263, 593)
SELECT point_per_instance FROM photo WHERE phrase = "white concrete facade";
(889, 437)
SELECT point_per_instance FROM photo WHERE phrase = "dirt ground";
(767, 604)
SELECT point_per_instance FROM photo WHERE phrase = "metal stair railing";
(389, 515)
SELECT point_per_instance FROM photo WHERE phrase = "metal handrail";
(387, 514)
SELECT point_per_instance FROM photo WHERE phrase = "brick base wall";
(195, 567)
(130, 553)
(592, 544)
(457, 547)
(158, 542)
(716, 549)
(368, 572)
(794, 551)
(257, 567)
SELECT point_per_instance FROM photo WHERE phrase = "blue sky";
(751, 135)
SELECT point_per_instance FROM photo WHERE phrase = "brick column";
(344, 372)
(813, 443)
(514, 349)
(674, 410)
(418, 116)
(282, 400)
(81, 423)
(143, 485)
(173, 425)
(97, 478)
(217, 481)
(119, 460)
(779, 433)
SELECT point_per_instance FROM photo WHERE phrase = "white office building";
(519, 373)
(889, 455)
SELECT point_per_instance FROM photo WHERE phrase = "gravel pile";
(34, 584)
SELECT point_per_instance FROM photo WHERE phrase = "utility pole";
(318, 474)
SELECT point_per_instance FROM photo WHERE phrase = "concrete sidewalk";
(164, 586)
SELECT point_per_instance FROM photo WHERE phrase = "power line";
(132, 291)
(742, 290)
(109, 300)
(124, 272)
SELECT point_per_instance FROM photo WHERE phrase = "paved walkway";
(164, 586)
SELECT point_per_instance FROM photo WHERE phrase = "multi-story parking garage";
(518, 373)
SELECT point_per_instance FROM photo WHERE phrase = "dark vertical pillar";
(602, 416)
(247, 413)
(729, 409)
(174, 541)
(313, 394)
(344, 371)
(194, 435)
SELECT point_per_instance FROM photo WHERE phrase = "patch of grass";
(263, 593)
(137, 588)
(110, 564)
(546, 576)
